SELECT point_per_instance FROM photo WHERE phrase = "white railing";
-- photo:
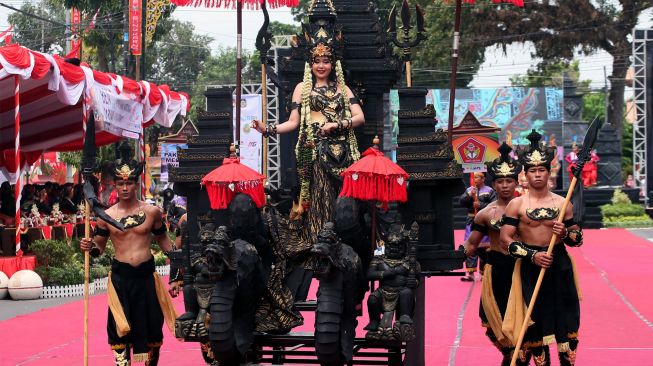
(97, 286)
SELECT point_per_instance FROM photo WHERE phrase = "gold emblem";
(521, 252)
(536, 158)
(505, 169)
(124, 172)
(321, 50)
(322, 33)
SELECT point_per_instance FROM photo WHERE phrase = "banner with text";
(251, 141)
(135, 20)
(169, 159)
(117, 114)
(75, 29)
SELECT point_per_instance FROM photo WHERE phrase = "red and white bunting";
(7, 34)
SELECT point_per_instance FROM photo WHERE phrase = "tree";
(28, 30)
(551, 73)
(219, 69)
(178, 59)
(560, 29)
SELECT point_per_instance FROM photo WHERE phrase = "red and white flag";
(7, 34)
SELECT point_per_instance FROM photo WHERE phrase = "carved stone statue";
(397, 272)
(342, 284)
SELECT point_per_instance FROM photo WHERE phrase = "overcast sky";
(495, 71)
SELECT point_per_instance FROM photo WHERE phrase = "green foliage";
(160, 259)
(62, 264)
(594, 106)
(618, 210)
(69, 274)
(551, 73)
(53, 253)
(623, 213)
(220, 69)
(629, 222)
(28, 30)
(620, 198)
(178, 59)
(104, 154)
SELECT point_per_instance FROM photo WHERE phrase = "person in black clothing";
(476, 198)
(7, 205)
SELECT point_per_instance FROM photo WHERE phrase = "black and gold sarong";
(138, 304)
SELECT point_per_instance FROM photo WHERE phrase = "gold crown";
(537, 155)
(124, 172)
(321, 50)
(504, 166)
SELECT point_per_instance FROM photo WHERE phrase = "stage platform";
(616, 320)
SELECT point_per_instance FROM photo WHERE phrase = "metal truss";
(640, 79)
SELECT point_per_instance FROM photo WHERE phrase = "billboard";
(515, 110)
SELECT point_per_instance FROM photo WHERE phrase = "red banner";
(75, 30)
(135, 19)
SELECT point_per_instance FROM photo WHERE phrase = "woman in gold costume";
(326, 111)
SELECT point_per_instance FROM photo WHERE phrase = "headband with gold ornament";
(536, 155)
(504, 166)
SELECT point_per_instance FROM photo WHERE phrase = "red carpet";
(616, 327)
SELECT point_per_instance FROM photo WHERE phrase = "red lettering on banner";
(135, 16)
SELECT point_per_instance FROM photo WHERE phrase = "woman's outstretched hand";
(258, 126)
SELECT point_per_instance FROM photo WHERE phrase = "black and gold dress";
(330, 155)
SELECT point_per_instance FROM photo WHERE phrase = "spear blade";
(585, 153)
(392, 20)
(264, 36)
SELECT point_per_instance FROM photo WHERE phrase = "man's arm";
(479, 230)
(466, 199)
(159, 231)
(511, 222)
(569, 231)
(97, 240)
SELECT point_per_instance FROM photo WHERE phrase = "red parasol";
(375, 178)
(226, 181)
(238, 4)
(454, 56)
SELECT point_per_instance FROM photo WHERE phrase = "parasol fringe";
(375, 188)
(220, 194)
(249, 4)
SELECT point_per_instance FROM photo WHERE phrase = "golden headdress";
(504, 166)
(535, 154)
(125, 168)
(322, 37)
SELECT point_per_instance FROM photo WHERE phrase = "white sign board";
(117, 114)
(474, 168)
(251, 141)
(169, 159)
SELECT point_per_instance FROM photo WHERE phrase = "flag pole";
(18, 186)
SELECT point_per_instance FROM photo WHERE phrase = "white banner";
(169, 159)
(117, 114)
(474, 168)
(251, 141)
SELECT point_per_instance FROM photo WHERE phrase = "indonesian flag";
(6, 35)
(77, 43)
